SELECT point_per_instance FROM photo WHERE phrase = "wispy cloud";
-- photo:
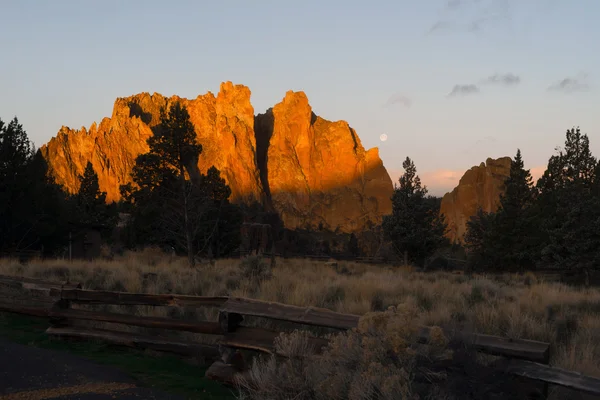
(508, 79)
(398, 98)
(463, 90)
(571, 84)
(471, 15)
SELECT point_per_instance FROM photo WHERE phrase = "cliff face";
(479, 187)
(224, 126)
(317, 171)
(310, 170)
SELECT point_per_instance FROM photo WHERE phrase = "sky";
(450, 82)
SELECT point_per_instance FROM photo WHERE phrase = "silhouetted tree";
(32, 206)
(415, 226)
(172, 203)
(90, 205)
(481, 241)
(567, 208)
(353, 247)
(505, 239)
(171, 148)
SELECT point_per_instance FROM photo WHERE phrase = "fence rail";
(525, 358)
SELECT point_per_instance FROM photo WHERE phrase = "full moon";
(383, 137)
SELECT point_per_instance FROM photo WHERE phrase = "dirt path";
(38, 374)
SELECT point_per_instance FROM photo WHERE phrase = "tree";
(172, 203)
(220, 227)
(480, 241)
(514, 223)
(353, 247)
(32, 206)
(90, 202)
(567, 208)
(171, 147)
(415, 227)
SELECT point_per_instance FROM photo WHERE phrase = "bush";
(375, 361)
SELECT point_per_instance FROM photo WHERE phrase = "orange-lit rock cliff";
(317, 171)
(480, 186)
(312, 171)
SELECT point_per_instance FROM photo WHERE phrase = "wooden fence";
(525, 358)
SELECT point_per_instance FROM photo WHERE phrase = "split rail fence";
(526, 358)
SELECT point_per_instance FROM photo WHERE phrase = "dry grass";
(509, 305)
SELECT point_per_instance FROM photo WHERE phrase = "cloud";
(571, 85)
(463, 90)
(508, 79)
(398, 99)
(471, 15)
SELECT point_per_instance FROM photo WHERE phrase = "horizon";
(431, 76)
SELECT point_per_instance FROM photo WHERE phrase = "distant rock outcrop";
(315, 173)
(479, 187)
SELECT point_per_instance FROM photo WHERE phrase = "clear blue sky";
(64, 63)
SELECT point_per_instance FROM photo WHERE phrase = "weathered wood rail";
(526, 358)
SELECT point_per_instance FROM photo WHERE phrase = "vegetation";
(553, 224)
(33, 211)
(415, 227)
(174, 204)
(171, 204)
(519, 306)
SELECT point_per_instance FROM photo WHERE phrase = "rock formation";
(317, 171)
(479, 187)
(312, 171)
(224, 125)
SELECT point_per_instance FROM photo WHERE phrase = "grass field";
(505, 305)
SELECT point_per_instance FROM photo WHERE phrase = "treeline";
(172, 205)
(554, 223)
(36, 214)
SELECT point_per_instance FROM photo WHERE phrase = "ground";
(34, 367)
(33, 373)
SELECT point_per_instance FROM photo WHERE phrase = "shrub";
(377, 360)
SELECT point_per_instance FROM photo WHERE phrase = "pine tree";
(568, 207)
(514, 225)
(90, 208)
(480, 241)
(173, 204)
(173, 145)
(414, 227)
(90, 201)
(32, 206)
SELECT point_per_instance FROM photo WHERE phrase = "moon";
(383, 137)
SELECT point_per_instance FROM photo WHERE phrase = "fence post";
(229, 321)
(60, 304)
